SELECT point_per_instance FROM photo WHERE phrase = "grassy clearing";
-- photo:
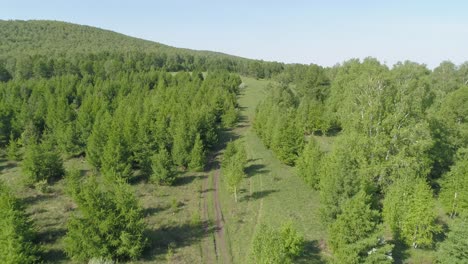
(270, 194)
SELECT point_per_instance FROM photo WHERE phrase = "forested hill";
(41, 41)
(55, 37)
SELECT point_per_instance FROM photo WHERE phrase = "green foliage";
(197, 155)
(308, 164)
(454, 187)
(341, 177)
(356, 236)
(163, 171)
(409, 212)
(115, 158)
(453, 249)
(13, 149)
(277, 246)
(42, 162)
(16, 231)
(109, 224)
(233, 164)
(276, 124)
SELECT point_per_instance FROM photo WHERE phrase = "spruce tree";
(163, 171)
(42, 162)
(13, 149)
(197, 155)
(16, 231)
(356, 236)
(109, 223)
(308, 164)
(115, 158)
(453, 249)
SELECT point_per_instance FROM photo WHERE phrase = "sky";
(321, 32)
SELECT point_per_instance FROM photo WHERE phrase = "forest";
(384, 149)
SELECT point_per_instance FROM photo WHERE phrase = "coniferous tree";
(197, 155)
(409, 212)
(453, 249)
(42, 162)
(163, 171)
(13, 149)
(115, 158)
(308, 164)
(271, 246)
(109, 224)
(16, 231)
(356, 236)
(97, 140)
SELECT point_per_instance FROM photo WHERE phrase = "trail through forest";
(217, 242)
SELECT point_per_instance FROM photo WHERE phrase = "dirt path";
(208, 246)
(220, 237)
(216, 234)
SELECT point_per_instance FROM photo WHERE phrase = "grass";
(271, 193)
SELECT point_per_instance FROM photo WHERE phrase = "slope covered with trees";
(46, 48)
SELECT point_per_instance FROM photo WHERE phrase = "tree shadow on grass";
(51, 236)
(175, 235)
(311, 253)
(153, 210)
(53, 256)
(258, 195)
(6, 165)
(253, 169)
(33, 199)
(184, 180)
(400, 252)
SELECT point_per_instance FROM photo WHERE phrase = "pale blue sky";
(322, 32)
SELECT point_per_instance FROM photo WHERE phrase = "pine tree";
(356, 237)
(42, 162)
(453, 249)
(115, 158)
(180, 147)
(197, 155)
(13, 149)
(271, 246)
(308, 164)
(409, 212)
(16, 231)
(109, 225)
(97, 140)
(163, 171)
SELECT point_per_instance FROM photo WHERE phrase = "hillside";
(55, 38)
(41, 41)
